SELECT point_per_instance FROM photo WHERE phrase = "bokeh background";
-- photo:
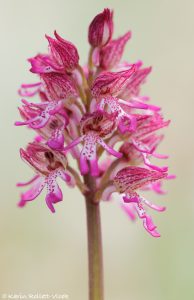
(45, 253)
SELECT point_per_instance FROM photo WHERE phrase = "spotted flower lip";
(94, 127)
(101, 29)
(57, 139)
(63, 52)
(38, 183)
(48, 165)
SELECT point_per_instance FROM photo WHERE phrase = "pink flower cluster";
(97, 115)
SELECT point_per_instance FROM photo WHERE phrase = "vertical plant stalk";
(95, 257)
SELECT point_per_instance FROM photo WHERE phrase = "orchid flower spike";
(97, 115)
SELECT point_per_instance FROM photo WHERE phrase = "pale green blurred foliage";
(40, 252)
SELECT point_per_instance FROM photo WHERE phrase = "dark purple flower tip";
(63, 52)
(101, 29)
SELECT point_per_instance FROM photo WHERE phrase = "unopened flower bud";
(101, 29)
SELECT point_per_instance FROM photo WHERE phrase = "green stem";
(95, 260)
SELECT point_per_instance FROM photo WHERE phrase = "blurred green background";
(45, 253)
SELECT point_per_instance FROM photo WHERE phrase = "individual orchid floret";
(106, 89)
(149, 124)
(63, 52)
(147, 148)
(37, 115)
(58, 86)
(101, 29)
(95, 128)
(111, 83)
(115, 107)
(141, 144)
(48, 165)
(43, 63)
(146, 125)
(111, 54)
(50, 124)
(128, 181)
(138, 153)
(134, 84)
(53, 132)
(156, 187)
